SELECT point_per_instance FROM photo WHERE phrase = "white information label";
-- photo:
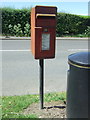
(45, 41)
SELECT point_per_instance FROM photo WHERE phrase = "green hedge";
(71, 24)
(17, 22)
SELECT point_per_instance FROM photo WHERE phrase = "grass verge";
(12, 106)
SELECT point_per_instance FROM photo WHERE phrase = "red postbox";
(43, 31)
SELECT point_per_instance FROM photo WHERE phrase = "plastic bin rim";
(76, 65)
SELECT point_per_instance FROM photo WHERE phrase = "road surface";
(20, 71)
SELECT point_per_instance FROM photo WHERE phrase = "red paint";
(38, 25)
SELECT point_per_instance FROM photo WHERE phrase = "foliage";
(87, 31)
(13, 19)
(27, 29)
(18, 30)
(16, 22)
(68, 24)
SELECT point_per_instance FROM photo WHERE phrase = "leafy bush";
(27, 29)
(11, 30)
(87, 31)
(15, 19)
(68, 24)
(18, 30)
(17, 22)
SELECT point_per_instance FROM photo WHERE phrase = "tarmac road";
(20, 71)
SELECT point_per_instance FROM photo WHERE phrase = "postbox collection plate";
(45, 41)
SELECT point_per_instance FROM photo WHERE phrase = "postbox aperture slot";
(45, 41)
(44, 16)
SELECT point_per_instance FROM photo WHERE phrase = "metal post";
(41, 64)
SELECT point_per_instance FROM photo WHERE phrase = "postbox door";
(46, 45)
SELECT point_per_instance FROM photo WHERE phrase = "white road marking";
(78, 50)
(13, 40)
(30, 50)
(15, 50)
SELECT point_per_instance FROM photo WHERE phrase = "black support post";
(41, 65)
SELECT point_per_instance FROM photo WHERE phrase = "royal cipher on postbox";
(43, 31)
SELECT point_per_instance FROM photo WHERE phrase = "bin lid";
(81, 59)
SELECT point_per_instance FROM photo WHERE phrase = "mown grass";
(12, 106)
